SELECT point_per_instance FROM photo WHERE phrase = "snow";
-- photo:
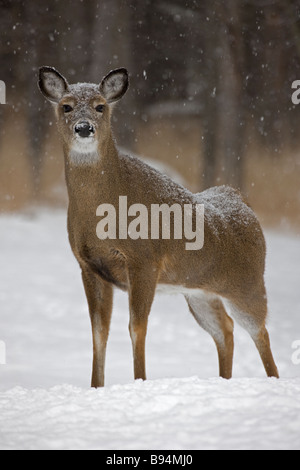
(160, 414)
(45, 398)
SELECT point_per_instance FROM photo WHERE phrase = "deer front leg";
(99, 296)
(141, 295)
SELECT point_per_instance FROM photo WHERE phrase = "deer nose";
(84, 129)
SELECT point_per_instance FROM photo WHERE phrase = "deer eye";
(99, 108)
(67, 108)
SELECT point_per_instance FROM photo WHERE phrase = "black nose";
(84, 129)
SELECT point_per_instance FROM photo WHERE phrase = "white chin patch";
(84, 150)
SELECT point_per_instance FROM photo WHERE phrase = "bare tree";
(232, 79)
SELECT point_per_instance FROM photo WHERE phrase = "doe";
(227, 272)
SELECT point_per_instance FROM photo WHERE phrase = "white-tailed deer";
(228, 270)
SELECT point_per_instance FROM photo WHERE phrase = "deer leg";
(99, 296)
(209, 312)
(262, 342)
(141, 295)
(251, 315)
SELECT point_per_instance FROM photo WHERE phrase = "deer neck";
(89, 176)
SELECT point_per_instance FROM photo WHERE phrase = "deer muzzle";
(84, 129)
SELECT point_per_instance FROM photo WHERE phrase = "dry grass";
(17, 186)
(273, 186)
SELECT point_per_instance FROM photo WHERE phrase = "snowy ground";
(45, 399)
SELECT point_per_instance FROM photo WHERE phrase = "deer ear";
(114, 85)
(52, 84)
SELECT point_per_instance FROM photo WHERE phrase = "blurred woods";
(210, 96)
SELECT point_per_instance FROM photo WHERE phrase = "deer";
(222, 282)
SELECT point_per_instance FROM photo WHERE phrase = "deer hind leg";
(209, 312)
(251, 315)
